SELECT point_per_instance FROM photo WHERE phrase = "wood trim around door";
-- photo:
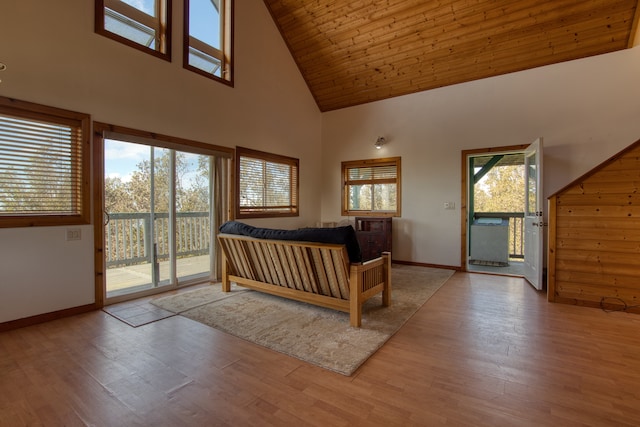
(98, 212)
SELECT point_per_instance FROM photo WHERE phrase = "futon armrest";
(372, 264)
(371, 275)
(366, 280)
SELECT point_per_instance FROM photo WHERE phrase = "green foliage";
(500, 190)
(134, 195)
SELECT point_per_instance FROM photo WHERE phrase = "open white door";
(533, 215)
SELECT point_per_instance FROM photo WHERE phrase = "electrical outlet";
(449, 205)
(74, 234)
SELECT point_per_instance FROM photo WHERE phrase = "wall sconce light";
(380, 142)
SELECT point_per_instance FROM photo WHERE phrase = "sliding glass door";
(193, 214)
(158, 217)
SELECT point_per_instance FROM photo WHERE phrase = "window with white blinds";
(266, 184)
(43, 165)
(371, 187)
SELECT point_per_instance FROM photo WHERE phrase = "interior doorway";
(493, 207)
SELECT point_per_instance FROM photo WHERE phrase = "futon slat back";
(319, 268)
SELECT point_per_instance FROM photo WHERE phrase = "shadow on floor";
(515, 268)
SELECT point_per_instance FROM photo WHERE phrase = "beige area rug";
(313, 334)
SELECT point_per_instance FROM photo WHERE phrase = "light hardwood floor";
(483, 351)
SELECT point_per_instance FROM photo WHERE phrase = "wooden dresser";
(374, 236)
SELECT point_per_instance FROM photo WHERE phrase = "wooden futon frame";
(316, 273)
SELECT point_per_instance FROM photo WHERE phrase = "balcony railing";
(129, 242)
(516, 230)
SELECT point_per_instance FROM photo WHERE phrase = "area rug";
(313, 334)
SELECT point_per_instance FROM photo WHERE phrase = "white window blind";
(267, 184)
(373, 173)
(40, 166)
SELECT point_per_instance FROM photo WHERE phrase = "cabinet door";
(374, 236)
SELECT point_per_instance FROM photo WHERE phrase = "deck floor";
(139, 276)
(515, 268)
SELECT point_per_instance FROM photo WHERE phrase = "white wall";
(586, 111)
(54, 58)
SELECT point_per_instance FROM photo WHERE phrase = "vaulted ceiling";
(356, 51)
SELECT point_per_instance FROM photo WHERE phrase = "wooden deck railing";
(128, 237)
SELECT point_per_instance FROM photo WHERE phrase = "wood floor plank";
(483, 351)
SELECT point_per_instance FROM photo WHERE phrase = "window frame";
(294, 187)
(161, 24)
(81, 122)
(225, 56)
(371, 163)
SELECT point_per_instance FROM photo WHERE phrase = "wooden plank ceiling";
(356, 51)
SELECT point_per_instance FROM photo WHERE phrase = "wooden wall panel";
(594, 241)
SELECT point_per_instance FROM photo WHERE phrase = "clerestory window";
(207, 38)
(371, 187)
(142, 24)
(44, 165)
(266, 184)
